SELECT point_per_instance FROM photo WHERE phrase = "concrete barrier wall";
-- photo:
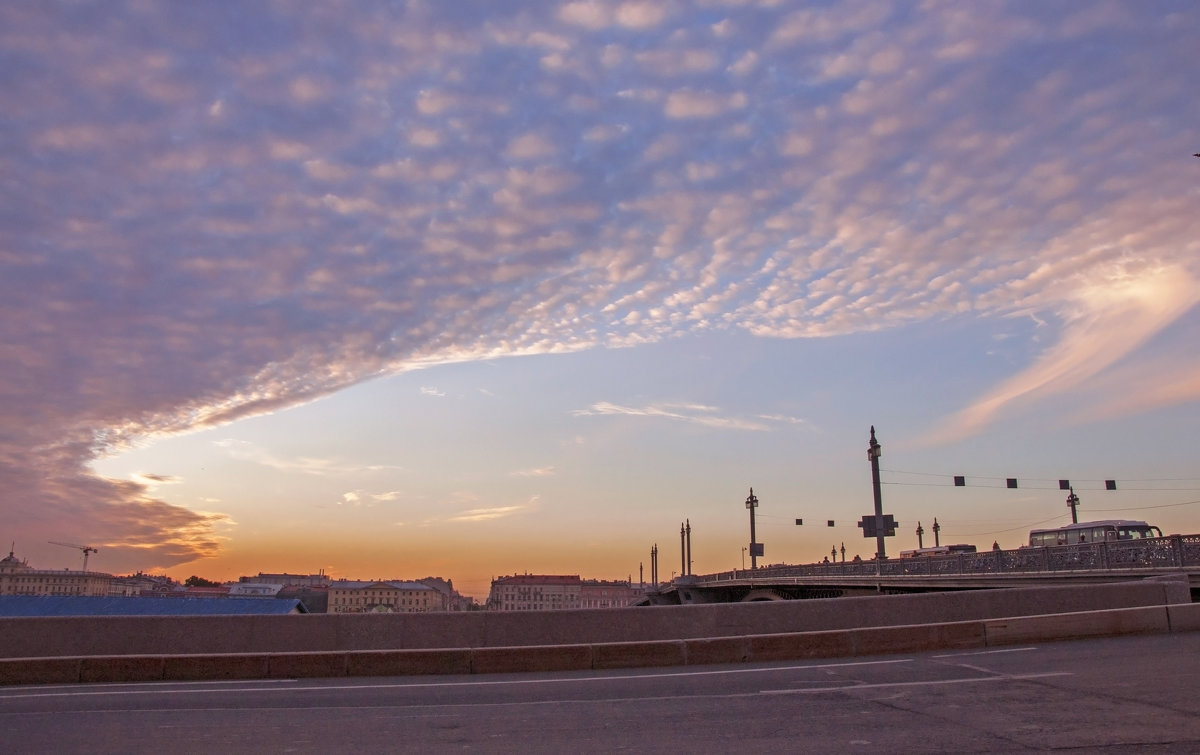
(178, 635)
(838, 643)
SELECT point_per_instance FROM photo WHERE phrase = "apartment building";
(599, 593)
(346, 596)
(17, 577)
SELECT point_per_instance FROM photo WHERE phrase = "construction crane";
(87, 549)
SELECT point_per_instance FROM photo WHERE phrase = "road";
(1139, 694)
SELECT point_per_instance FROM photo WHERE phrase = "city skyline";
(471, 289)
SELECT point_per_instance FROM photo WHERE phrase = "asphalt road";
(1137, 694)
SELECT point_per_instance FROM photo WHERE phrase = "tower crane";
(87, 549)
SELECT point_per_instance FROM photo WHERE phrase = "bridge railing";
(1159, 552)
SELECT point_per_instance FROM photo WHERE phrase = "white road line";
(985, 652)
(893, 685)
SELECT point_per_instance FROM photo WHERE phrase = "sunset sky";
(468, 289)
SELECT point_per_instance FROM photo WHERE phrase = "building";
(290, 580)
(17, 577)
(535, 592)
(548, 592)
(254, 590)
(141, 584)
(454, 600)
(599, 593)
(346, 596)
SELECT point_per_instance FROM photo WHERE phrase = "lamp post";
(743, 558)
(752, 504)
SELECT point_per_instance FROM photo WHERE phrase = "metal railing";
(1175, 551)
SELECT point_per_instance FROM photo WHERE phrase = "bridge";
(1021, 567)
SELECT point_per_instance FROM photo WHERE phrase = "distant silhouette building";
(290, 580)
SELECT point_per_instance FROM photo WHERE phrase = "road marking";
(893, 685)
(985, 652)
(157, 686)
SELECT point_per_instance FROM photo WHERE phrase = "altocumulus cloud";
(213, 211)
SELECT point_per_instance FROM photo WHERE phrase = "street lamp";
(752, 504)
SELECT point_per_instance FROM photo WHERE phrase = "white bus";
(1105, 531)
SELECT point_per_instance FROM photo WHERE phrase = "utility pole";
(937, 533)
(920, 536)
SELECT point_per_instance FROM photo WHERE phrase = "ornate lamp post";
(752, 504)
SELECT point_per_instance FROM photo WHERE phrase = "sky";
(470, 289)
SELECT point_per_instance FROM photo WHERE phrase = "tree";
(194, 581)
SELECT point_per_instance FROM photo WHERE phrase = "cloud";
(486, 514)
(149, 479)
(690, 413)
(252, 453)
(1114, 315)
(691, 104)
(431, 391)
(533, 472)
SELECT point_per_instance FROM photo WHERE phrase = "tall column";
(682, 552)
(689, 547)
(874, 451)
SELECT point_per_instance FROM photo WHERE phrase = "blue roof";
(86, 605)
